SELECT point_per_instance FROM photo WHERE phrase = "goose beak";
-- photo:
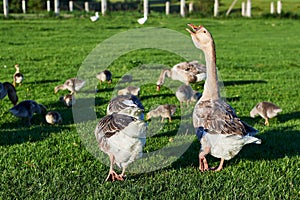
(157, 87)
(194, 28)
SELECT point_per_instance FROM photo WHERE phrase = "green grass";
(257, 59)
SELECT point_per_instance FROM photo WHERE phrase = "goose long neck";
(163, 74)
(211, 88)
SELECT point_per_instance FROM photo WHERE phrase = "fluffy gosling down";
(266, 110)
(163, 111)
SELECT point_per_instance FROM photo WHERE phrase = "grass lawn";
(257, 59)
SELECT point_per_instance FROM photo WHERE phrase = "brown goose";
(53, 117)
(186, 72)
(122, 138)
(126, 104)
(27, 108)
(69, 100)
(266, 110)
(130, 90)
(18, 77)
(9, 90)
(105, 75)
(163, 111)
(72, 84)
(221, 133)
(186, 94)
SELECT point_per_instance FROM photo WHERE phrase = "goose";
(130, 90)
(53, 117)
(95, 18)
(72, 84)
(122, 138)
(26, 109)
(9, 90)
(219, 130)
(266, 110)
(18, 77)
(105, 75)
(126, 104)
(163, 111)
(186, 72)
(186, 94)
(69, 100)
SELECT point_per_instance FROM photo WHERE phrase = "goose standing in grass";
(266, 110)
(186, 72)
(186, 94)
(18, 77)
(27, 108)
(72, 84)
(126, 104)
(69, 100)
(163, 111)
(130, 90)
(53, 117)
(221, 133)
(122, 138)
(9, 90)
(105, 75)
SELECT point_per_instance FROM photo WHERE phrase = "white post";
(48, 6)
(272, 7)
(216, 8)
(71, 6)
(56, 7)
(146, 8)
(5, 8)
(182, 6)
(103, 7)
(279, 7)
(243, 9)
(86, 6)
(248, 11)
(167, 7)
(191, 7)
(24, 6)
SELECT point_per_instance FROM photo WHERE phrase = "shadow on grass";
(24, 133)
(155, 96)
(288, 116)
(276, 144)
(43, 81)
(242, 82)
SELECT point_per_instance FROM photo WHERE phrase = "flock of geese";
(121, 134)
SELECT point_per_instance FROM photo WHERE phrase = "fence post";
(272, 7)
(24, 6)
(71, 6)
(56, 7)
(86, 6)
(191, 7)
(243, 9)
(248, 9)
(167, 7)
(103, 7)
(216, 8)
(5, 8)
(279, 7)
(48, 6)
(182, 6)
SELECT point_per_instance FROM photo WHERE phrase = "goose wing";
(218, 117)
(11, 91)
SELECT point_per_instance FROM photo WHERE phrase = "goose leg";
(112, 175)
(266, 121)
(203, 165)
(220, 167)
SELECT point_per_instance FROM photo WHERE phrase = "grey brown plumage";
(163, 111)
(68, 99)
(221, 133)
(122, 138)
(266, 110)
(27, 108)
(17, 77)
(105, 75)
(53, 117)
(72, 84)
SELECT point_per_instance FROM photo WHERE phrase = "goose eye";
(204, 31)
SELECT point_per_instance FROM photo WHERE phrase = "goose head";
(202, 39)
